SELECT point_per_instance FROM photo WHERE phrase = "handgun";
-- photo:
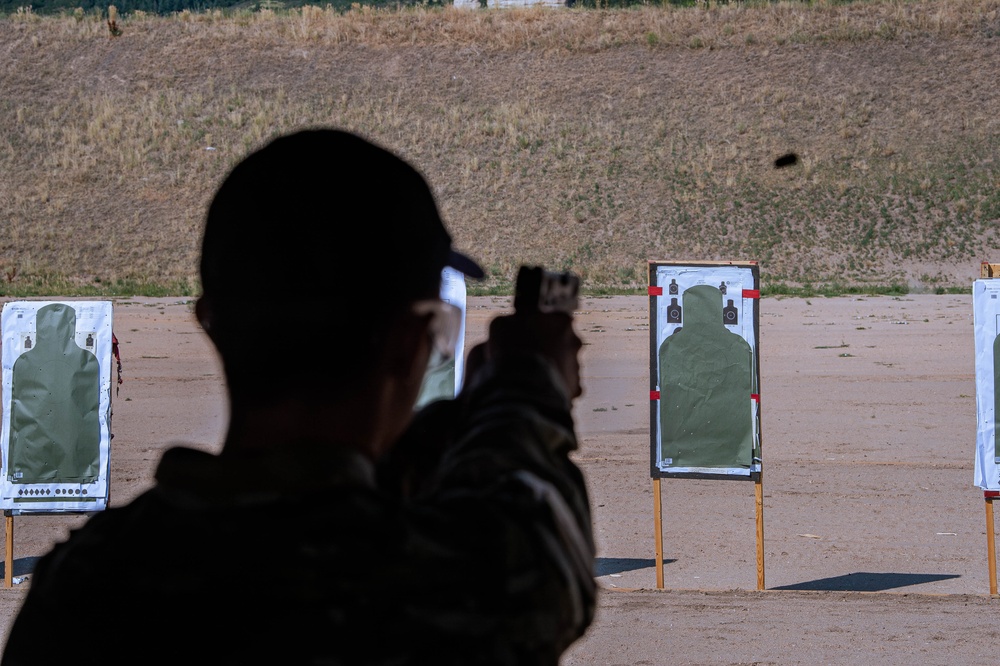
(540, 290)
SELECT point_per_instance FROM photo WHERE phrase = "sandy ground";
(874, 535)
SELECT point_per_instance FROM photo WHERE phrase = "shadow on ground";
(22, 566)
(866, 581)
(605, 566)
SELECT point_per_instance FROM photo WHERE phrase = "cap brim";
(465, 265)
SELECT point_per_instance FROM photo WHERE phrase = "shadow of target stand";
(704, 376)
(55, 436)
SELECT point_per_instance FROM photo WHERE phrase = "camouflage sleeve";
(508, 475)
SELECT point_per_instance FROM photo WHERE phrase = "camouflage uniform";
(488, 560)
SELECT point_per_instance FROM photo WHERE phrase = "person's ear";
(408, 347)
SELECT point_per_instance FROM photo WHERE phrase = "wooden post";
(658, 520)
(759, 493)
(8, 579)
(991, 544)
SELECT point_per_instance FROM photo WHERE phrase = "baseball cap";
(323, 212)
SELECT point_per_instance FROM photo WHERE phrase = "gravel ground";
(874, 535)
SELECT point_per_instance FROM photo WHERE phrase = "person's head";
(314, 246)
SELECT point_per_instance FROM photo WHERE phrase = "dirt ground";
(874, 535)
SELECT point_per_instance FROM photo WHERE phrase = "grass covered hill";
(584, 139)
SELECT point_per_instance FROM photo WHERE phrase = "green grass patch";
(835, 289)
(45, 286)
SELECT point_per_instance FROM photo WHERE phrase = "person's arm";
(516, 502)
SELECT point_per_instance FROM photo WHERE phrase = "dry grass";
(710, 25)
(584, 139)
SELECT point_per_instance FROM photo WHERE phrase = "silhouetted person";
(706, 378)
(996, 398)
(55, 429)
(283, 549)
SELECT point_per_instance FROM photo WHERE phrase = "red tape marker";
(990, 494)
(751, 293)
(656, 291)
(755, 397)
(654, 395)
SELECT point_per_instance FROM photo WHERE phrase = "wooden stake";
(759, 492)
(658, 520)
(8, 579)
(991, 545)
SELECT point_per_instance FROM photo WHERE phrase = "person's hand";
(548, 334)
(475, 361)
